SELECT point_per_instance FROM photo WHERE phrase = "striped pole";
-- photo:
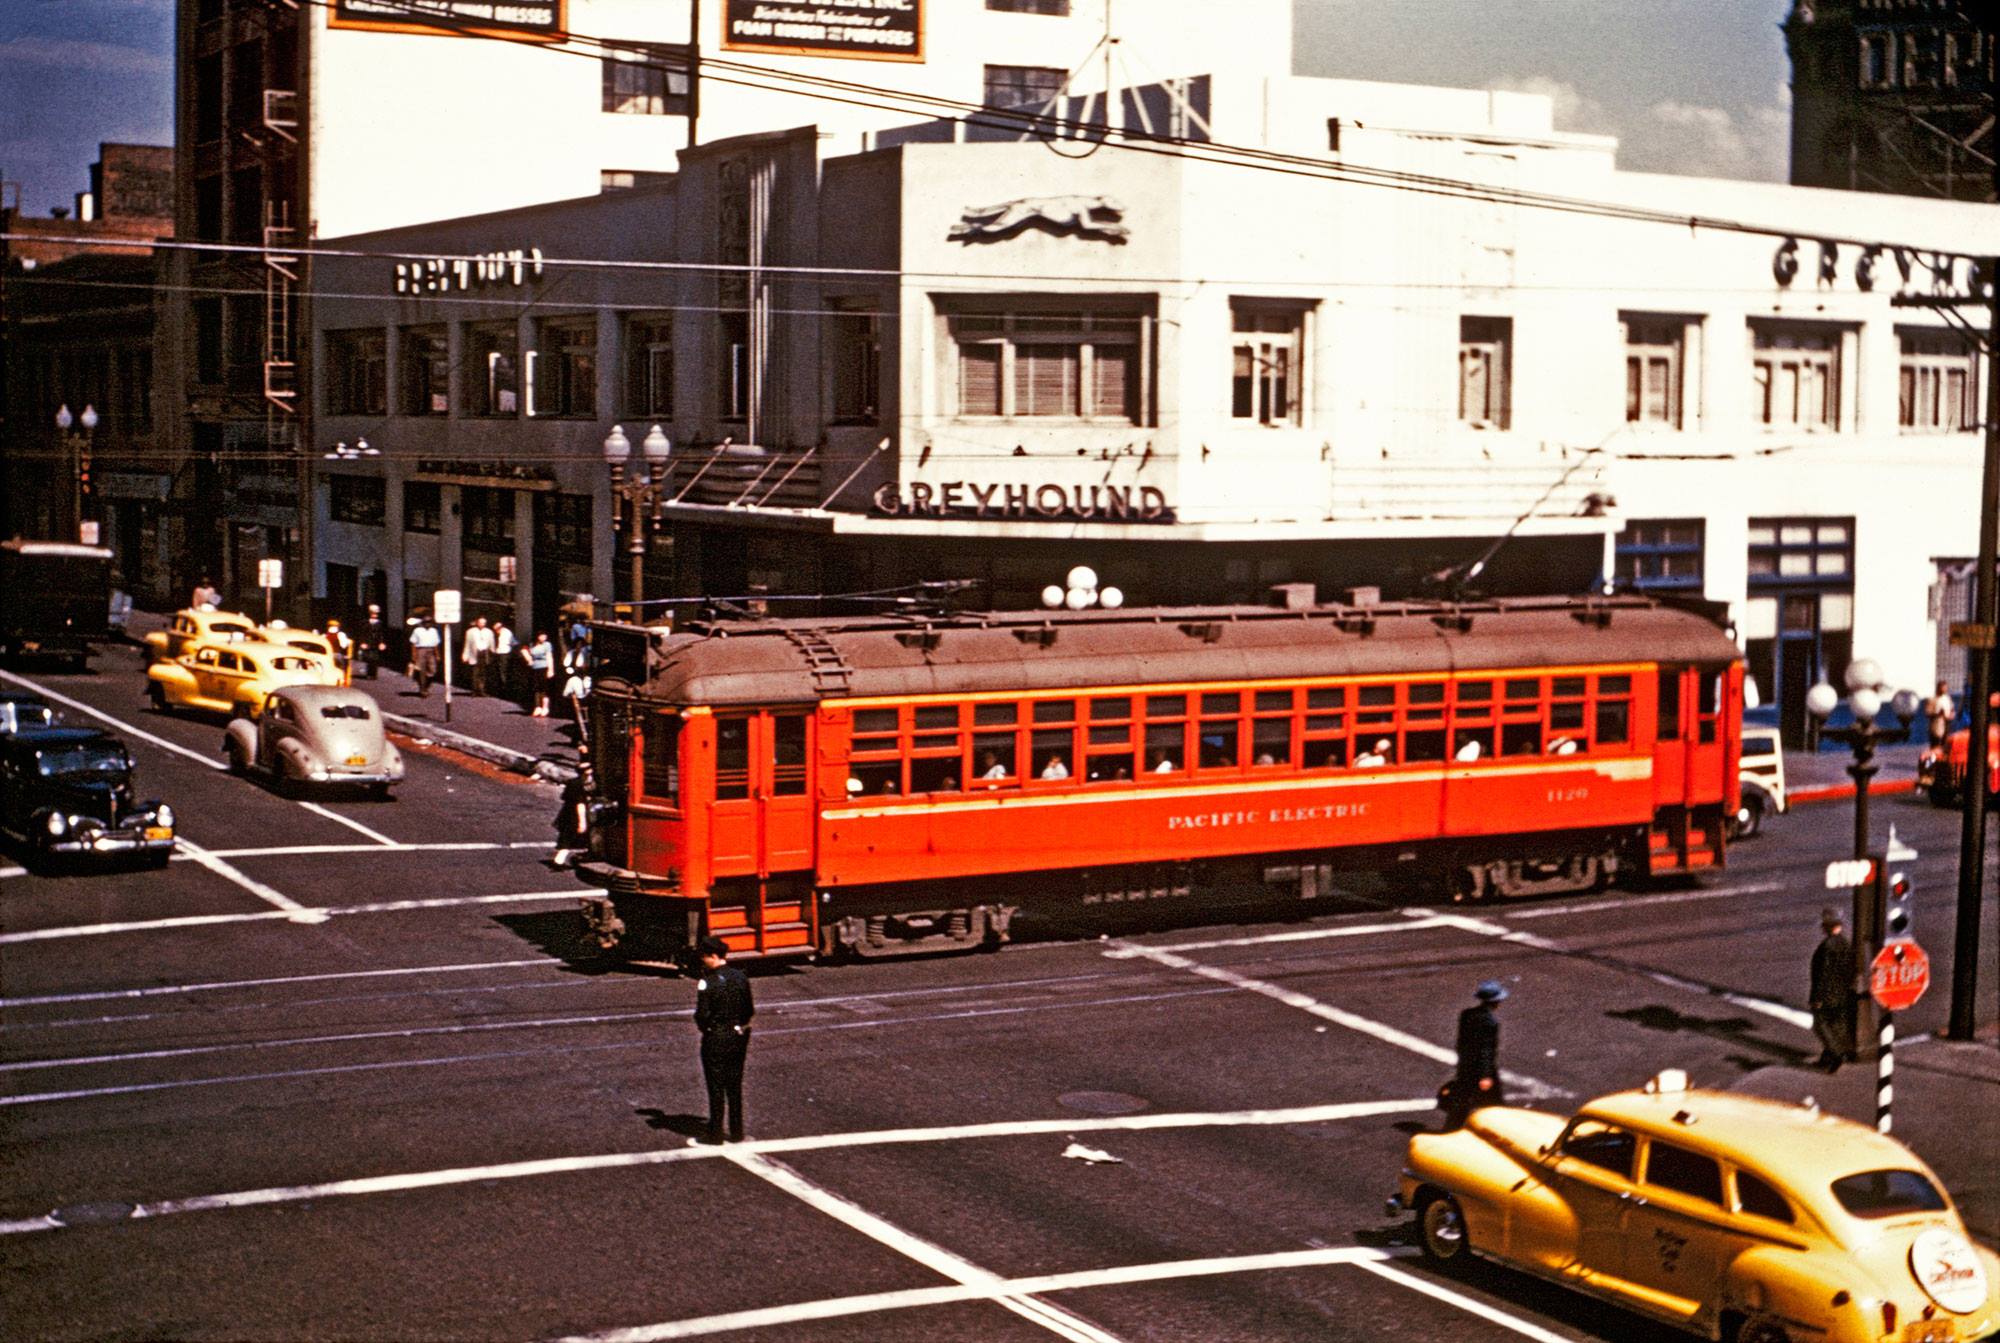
(1885, 1073)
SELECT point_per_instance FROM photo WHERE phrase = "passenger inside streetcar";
(1163, 763)
(1469, 750)
(1378, 754)
(1055, 768)
(990, 766)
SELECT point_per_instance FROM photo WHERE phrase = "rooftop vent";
(1371, 596)
(1294, 596)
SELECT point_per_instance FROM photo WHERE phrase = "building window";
(1795, 373)
(563, 527)
(357, 373)
(361, 500)
(1660, 553)
(1484, 359)
(1655, 369)
(566, 372)
(208, 340)
(208, 208)
(208, 99)
(1055, 365)
(423, 507)
(1878, 64)
(1787, 551)
(246, 205)
(854, 359)
(733, 345)
(426, 371)
(1030, 6)
(649, 367)
(1937, 384)
(1023, 85)
(650, 82)
(1267, 363)
(492, 370)
(624, 179)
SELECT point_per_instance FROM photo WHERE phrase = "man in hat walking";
(722, 1011)
(1831, 995)
(1477, 1081)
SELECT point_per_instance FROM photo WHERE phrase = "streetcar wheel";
(1762, 1329)
(1445, 1242)
(1749, 818)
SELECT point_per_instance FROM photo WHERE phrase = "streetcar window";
(1327, 697)
(1166, 706)
(1274, 701)
(930, 717)
(1425, 745)
(1111, 756)
(1225, 703)
(875, 778)
(1473, 692)
(1520, 739)
(1218, 743)
(1711, 696)
(1566, 714)
(1271, 742)
(1102, 709)
(934, 774)
(1614, 685)
(660, 758)
(868, 721)
(1427, 692)
(995, 715)
(788, 761)
(994, 756)
(1614, 720)
(1166, 748)
(1378, 694)
(1470, 743)
(1529, 688)
(1055, 711)
(1670, 704)
(1326, 753)
(1049, 754)
(1568, 685)
(732, 758)
(1325, 722)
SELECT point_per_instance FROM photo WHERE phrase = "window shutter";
(979, 379)
(1111, 392)
(1045, 379)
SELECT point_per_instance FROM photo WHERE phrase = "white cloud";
(77, 56)
(1670, 136)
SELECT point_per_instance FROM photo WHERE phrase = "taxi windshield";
(86, 758)
(291, 664)
(229, 629)
(1887, 1193)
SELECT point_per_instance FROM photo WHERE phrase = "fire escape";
(281, 273)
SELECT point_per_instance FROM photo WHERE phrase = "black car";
(67, 791)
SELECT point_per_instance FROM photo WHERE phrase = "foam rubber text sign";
(1898, 976)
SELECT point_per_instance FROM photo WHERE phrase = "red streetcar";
(882, 784)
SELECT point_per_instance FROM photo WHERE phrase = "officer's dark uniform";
(1831, 995)
(1478, 1059)
(722, 1010)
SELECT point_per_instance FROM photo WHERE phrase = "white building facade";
(1349, 335)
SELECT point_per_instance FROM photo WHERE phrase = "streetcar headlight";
(164, 816)
(58, 823)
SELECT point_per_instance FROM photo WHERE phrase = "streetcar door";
(1674, 712)
(762, 818)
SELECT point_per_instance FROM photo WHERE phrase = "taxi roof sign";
(1844, 872)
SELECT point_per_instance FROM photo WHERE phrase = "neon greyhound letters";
(1014, 499)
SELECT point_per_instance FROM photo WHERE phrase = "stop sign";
(1898, 976)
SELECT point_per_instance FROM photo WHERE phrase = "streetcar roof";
(807, 660)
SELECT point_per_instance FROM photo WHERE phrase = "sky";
(1688, 86)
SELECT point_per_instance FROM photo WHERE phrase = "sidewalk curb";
(518, 762)
(1835, 792)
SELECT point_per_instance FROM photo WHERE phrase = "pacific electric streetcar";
(879, 784)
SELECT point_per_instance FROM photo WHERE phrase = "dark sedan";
(67, 791)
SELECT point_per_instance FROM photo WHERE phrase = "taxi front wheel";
(1443, 1224)
(1762, 1329)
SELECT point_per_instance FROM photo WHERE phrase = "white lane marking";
(1531, 1087)
(209, 986)
(269, 895)
(1309, 935)
(349, 822)
(118, 723)
(394, 846)
(932, 1256)
(517, 1170)
(13, 872)
(1642, 901)
(1791, 1016)
(1468, 1304)
(263, 916)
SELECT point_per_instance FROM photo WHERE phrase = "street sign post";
(270, 577)
(445, 610)
(1897, 978)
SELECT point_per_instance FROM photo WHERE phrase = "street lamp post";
(76, 431)
(643, 492)
(1864, 698)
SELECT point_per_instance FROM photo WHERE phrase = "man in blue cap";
(1477, 1081)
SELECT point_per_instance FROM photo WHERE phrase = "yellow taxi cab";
(198, 624)
(232, 678)
(306, 641)
(1732, 1217)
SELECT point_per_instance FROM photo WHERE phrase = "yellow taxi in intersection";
(1732, 1217)
(232, 678)
(198, 624)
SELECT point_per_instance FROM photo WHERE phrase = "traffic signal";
(1897, 908)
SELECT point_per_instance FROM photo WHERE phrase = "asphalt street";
(335, 1074)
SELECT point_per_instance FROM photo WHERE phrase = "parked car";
(22, 710)
(231, 678)
(198, 625)
(310, 734)
(67, 791)
(1942, 774)
(306, 641)
(1730, 1217)
(1761, 773)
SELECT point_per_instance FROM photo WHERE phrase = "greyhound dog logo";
(1082, 216)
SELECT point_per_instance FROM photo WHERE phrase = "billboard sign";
(875, 30)
(543, 20)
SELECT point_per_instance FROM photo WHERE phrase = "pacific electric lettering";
(1217, 820)
(972, 499)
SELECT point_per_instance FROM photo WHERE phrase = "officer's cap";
(712, 946)
(1491, 991)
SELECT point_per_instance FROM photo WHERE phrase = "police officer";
(1831, 994)
(722, 1011)
(1477, 1081)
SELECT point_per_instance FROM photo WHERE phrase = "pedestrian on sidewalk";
(1939, 711)
(343, 651)
(573, 819)
(426, 659)
(478, 652)
(1477, 1080)
(374, 645)
(505, 645)
(541, 659)
(205, 596)
(1832, 995)
(722, 1012)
